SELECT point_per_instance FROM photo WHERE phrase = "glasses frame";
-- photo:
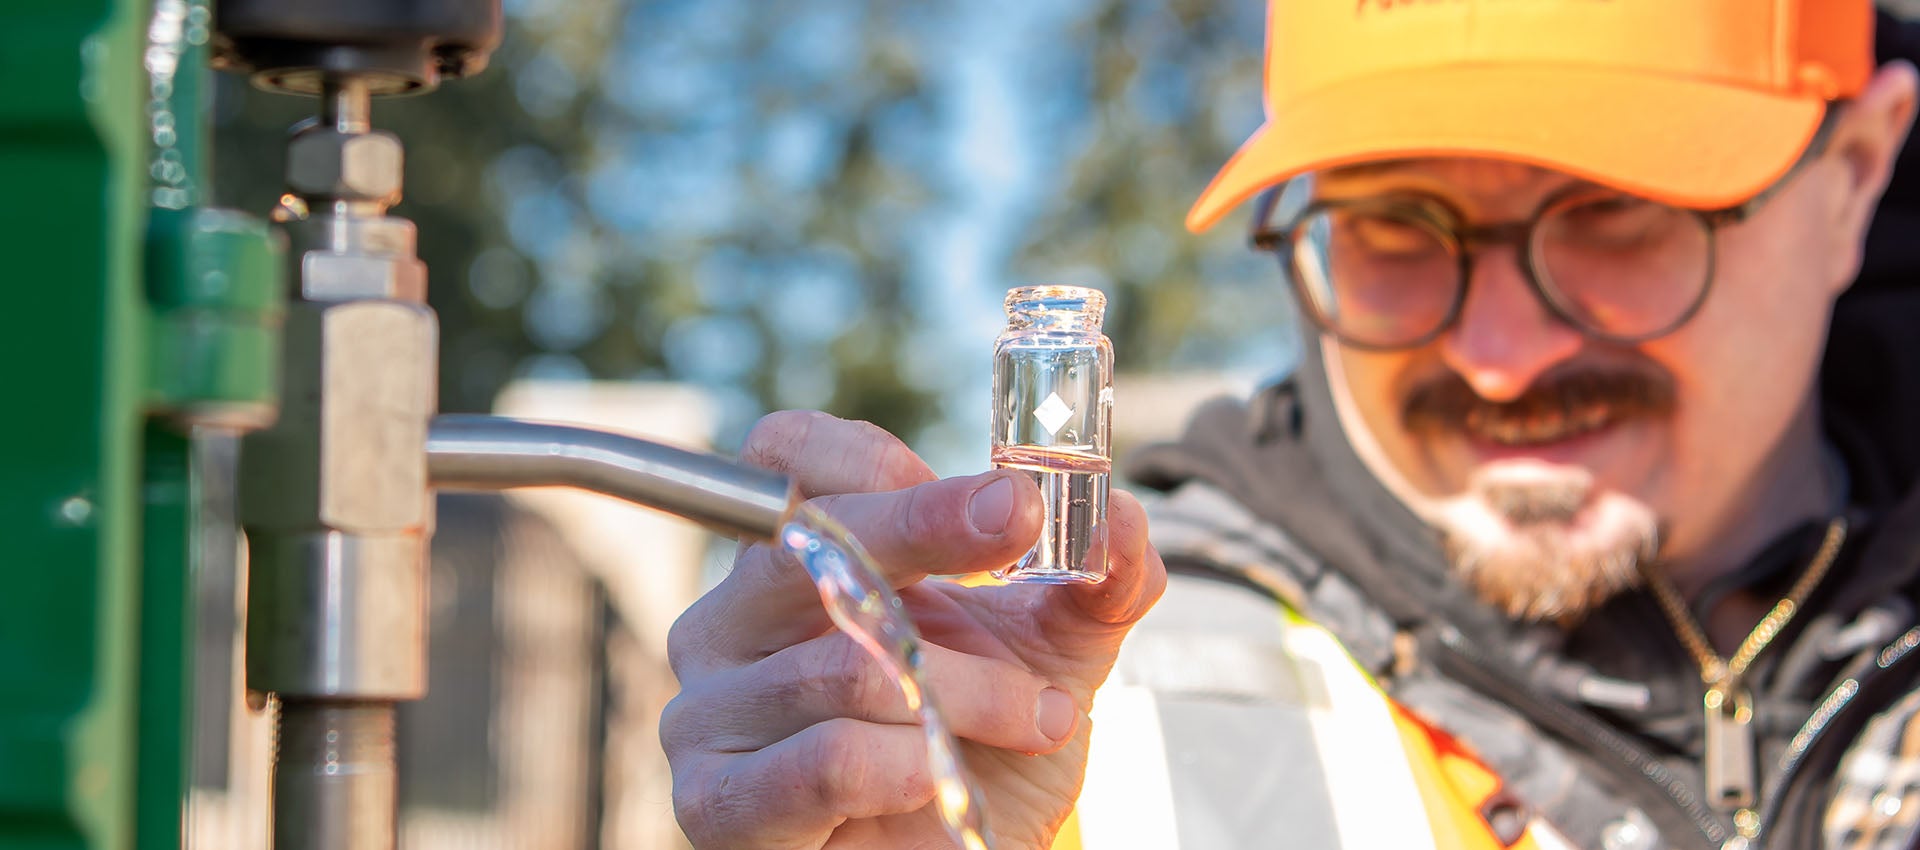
(1447, 223)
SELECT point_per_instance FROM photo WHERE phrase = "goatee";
(1534, 541)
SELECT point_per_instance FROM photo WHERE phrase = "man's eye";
(1615, 218)
(1390, 236)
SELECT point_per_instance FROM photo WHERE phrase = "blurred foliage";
(818, 202)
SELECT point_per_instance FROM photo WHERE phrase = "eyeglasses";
(1391, 272)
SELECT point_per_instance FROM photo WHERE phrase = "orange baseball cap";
(1698, 103)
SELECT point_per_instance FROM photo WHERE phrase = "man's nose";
(1506, 336)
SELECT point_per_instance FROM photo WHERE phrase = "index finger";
(824, 454)
(956, 525)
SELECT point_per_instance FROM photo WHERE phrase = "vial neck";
(1054, 320)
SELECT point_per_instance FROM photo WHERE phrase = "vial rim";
(1056, 297)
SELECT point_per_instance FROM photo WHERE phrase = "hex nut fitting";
(323, 162)
(348, 453)
(325, 276)
(340, 258)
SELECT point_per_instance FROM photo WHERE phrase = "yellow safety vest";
(1393, 781)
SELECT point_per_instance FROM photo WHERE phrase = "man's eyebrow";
(1369, 169)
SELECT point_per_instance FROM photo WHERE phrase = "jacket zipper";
(1629, 762)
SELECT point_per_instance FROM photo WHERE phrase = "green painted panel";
(72, 154)
(166, 642)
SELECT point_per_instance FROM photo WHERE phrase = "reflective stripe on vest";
(1204, 740)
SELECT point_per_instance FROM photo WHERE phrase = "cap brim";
(1685, 142)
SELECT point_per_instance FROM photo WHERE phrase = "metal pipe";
(467, 452)
(346, 104)
(337, 615)
(334, 496)
(334, 782)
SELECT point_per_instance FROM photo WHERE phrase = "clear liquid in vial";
(1052, 419)
(1073, 538)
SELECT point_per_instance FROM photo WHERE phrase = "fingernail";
(1054, 714)
(991, 506)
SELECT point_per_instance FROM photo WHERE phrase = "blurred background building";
(820, 203)
(669, 217)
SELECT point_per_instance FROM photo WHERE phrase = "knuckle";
(838, 763)
(779, 682)
(910, 516)
(776, 440)
(713, 721)
(870, 688)
(674, 731)
(1008, 703)
(761, 573)
(844, 678)
(887, 462)
(994, 697)
(828, 504)
(684, 642)
(930, 515)
(695, 799)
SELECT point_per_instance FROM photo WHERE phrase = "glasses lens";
(1623, 266)
(1375, 277)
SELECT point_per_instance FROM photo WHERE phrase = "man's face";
(1552, 461)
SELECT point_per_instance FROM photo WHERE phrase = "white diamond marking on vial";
(1053, 413)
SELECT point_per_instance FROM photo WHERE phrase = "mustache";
(1449, 403)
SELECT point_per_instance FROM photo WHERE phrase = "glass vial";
(1052, 416)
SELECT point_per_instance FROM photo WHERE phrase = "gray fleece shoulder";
(1200, 524)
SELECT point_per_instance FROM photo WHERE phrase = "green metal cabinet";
(132, 317)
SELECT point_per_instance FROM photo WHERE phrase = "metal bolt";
(1886, 805)
(370, 165)
(326, 163)
(76, 510)
(1626, 833)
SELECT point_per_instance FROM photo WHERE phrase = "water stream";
(864, 606)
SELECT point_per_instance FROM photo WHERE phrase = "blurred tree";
(1173, 87)
(816, 202)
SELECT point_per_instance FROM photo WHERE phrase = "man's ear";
(1867, 139)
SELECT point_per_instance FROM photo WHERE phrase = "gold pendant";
(1730, 759)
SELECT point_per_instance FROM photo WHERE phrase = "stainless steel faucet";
(495, 453)
(336, 497)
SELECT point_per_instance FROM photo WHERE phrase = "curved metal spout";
(469, 452)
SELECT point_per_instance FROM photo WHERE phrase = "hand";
(787, 735)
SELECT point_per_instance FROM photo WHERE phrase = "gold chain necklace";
(1729, 762)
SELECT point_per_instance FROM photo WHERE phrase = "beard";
(1540, 541)
(1537, 543)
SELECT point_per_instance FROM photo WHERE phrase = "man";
(1570, 543)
